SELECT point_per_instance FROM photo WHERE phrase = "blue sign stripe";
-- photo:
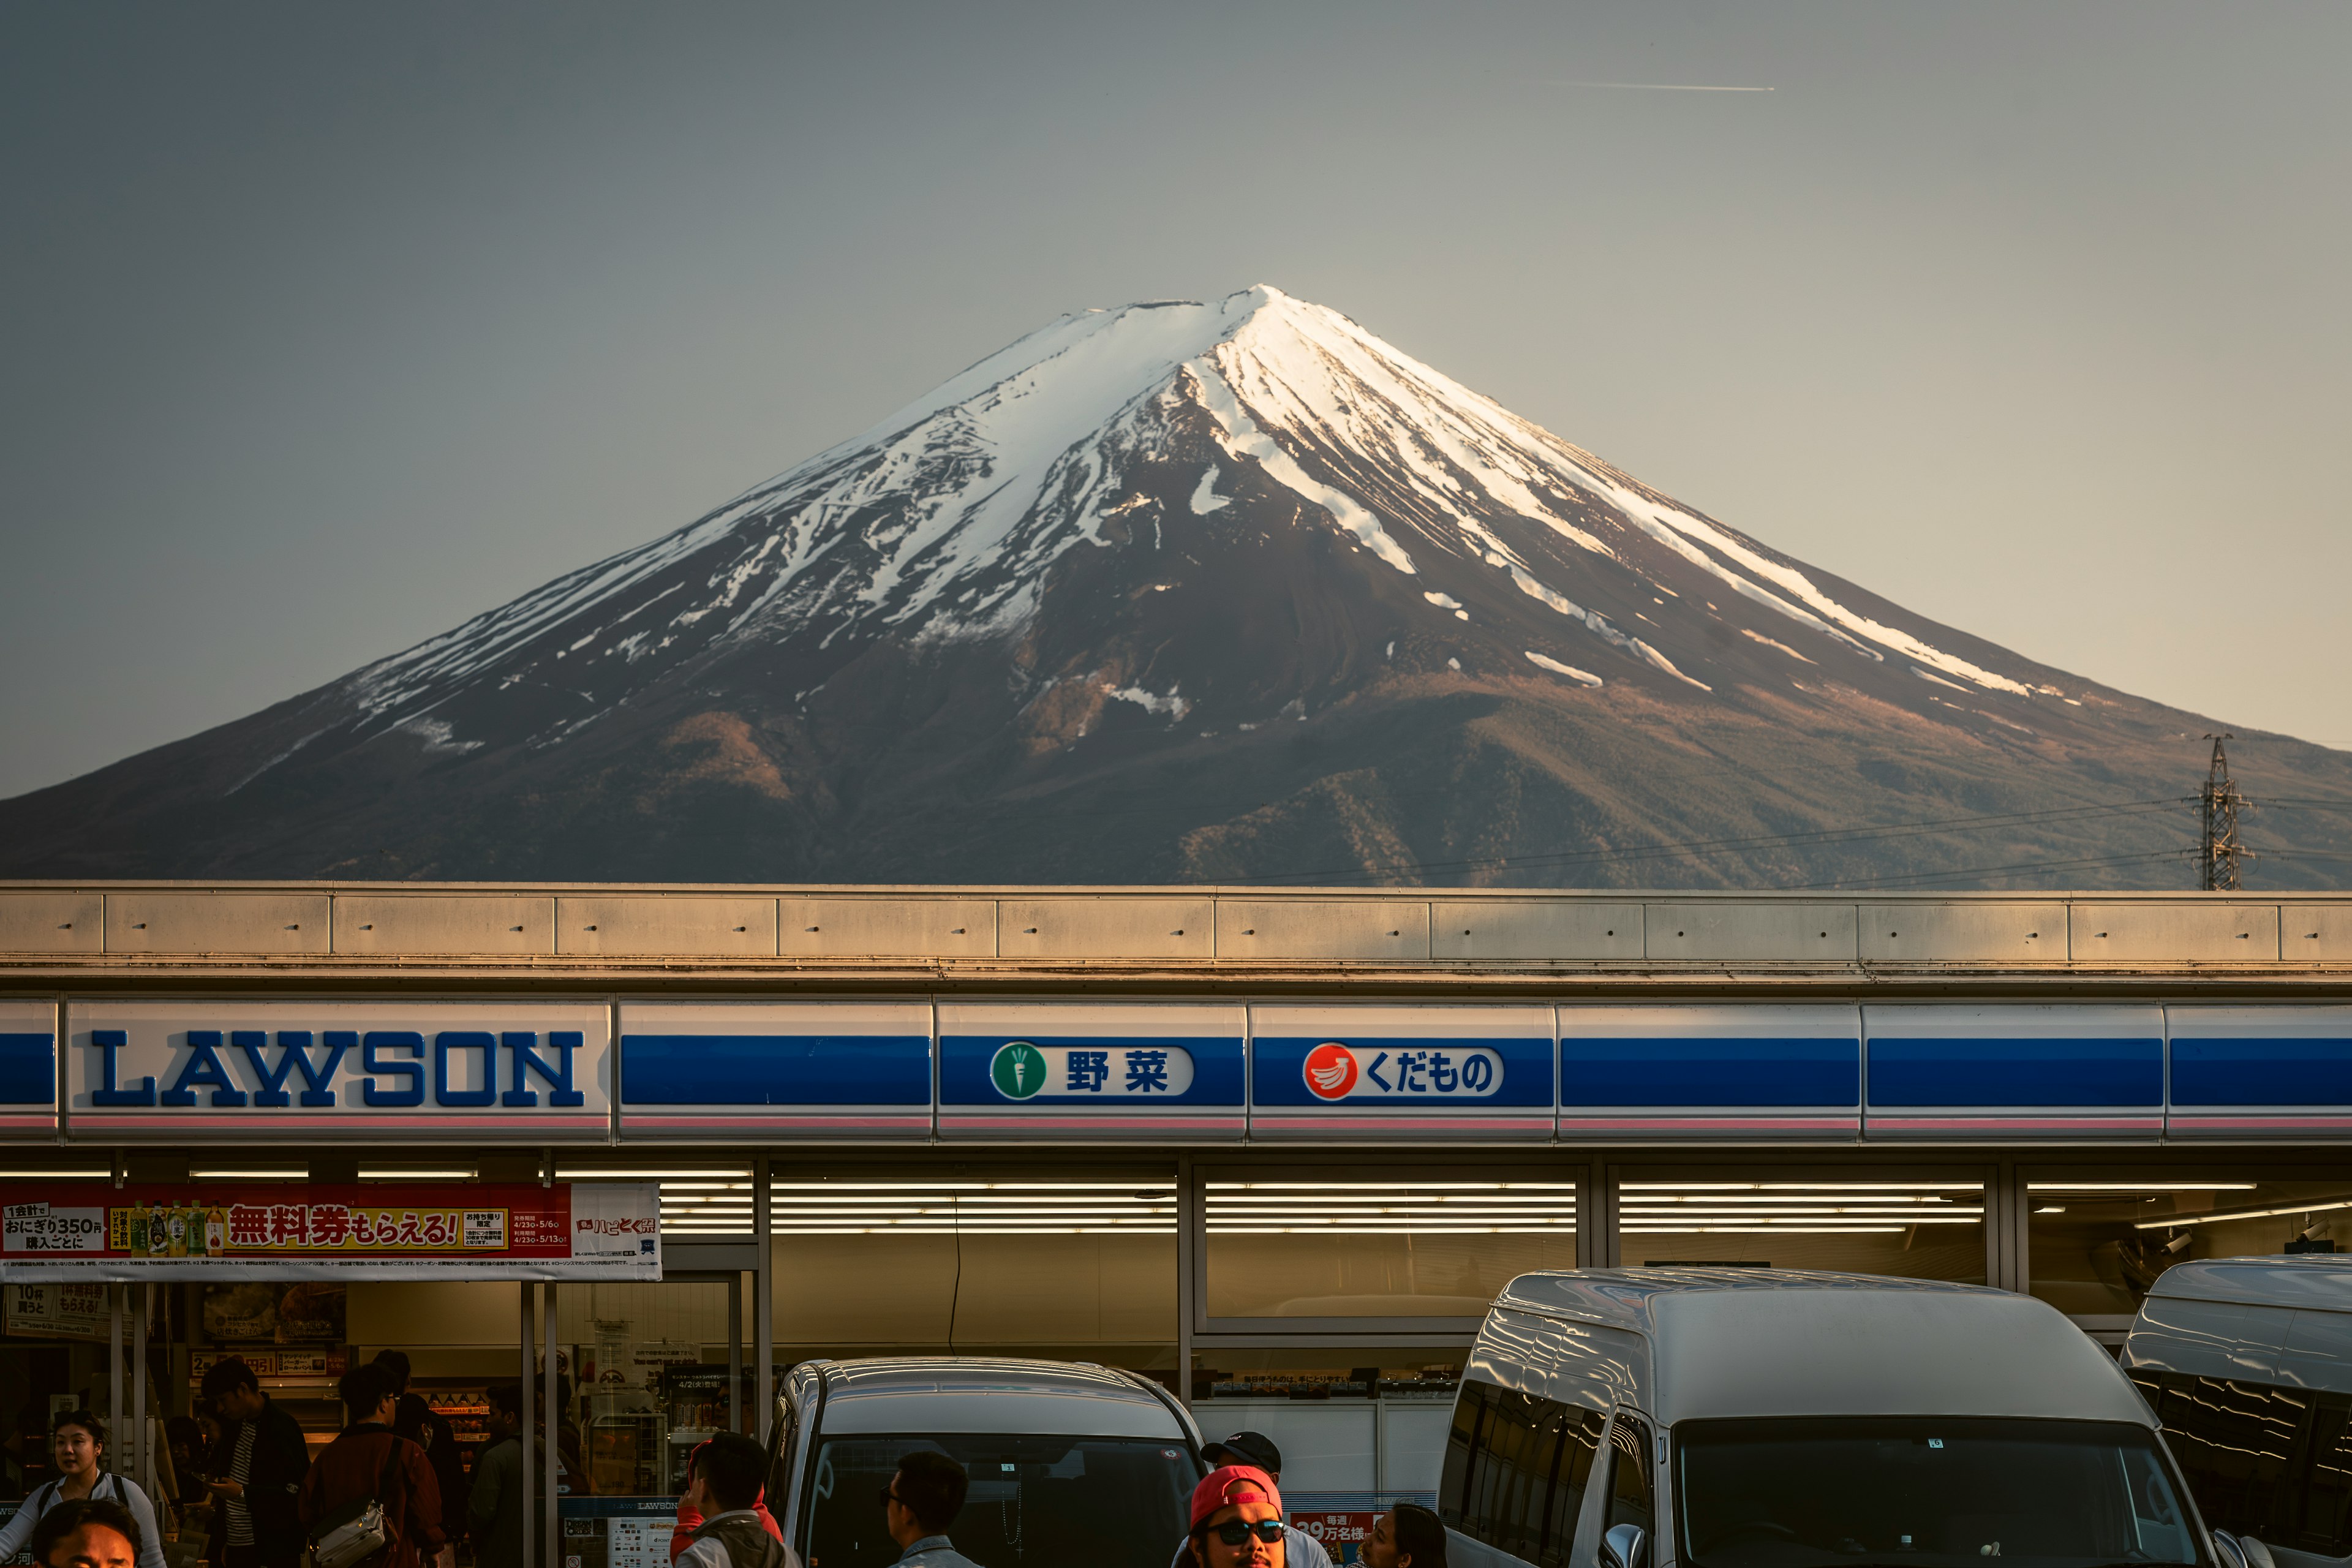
(1693, 1073)
(1216, 1070)
(28, 1069)
(775, 1069)
(1278, 1071)
(2254, 1070)
(2018, 1070)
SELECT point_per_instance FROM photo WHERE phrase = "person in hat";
(1255, 1450)
(1237, 1522)
(1407, 1536)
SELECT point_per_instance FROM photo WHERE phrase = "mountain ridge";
(1241, 564)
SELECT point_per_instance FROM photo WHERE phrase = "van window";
(1629, 1473)
(1516, 1468)
(2270, 1462)
(1928, 1491)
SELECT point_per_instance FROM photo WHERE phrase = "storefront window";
(1079, 1266)
(1439, 1247)
(2100, 1238)
(1917, 1226)
(1351, 1419)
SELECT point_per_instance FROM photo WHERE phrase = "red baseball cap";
(1232, 1484)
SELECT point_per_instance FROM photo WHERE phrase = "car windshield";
(1936, 1493)
(1108, 1502)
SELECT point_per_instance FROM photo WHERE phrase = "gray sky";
(329, 326)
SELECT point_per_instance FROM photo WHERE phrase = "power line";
(1994, 871)
(1815, 837)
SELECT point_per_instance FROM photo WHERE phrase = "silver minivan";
(1696, 1418)
(2248, 1361)
(1070, 1462)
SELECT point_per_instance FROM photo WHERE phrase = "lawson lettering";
(270, 1070)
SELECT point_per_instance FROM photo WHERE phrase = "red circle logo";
(1330, 1071)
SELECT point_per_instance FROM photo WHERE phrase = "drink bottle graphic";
(136, 1245)
(197, 1231)
(216, 1231)
(159, 1231)
(177, 1221)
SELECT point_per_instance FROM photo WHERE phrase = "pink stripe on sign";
(1043, 1120)
(1398, 1125)
(267, 1123)
(2261, 1123)
(1711, 1124)
(766, 1124)
(2019, 1125)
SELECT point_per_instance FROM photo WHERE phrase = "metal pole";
(1188, 1300)
(139, 1458)
(763, 1301)
(551, 1509)
(114, 1358)
(735, 1353)
(529, 1294)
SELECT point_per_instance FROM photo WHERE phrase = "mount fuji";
(1180, 590)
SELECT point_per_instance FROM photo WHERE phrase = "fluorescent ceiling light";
(2172, 1222)
(248, 1173)
(71, 1174)
(417, 1173)
(2139, 1186)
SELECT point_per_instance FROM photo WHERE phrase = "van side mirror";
(2226, 1548)
(1628, 1546)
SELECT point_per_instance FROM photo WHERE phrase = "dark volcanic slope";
(1175, 592)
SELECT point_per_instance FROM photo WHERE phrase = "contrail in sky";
(1662, 87)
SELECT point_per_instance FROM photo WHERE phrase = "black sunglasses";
(890, 1495)
(1233, 1531)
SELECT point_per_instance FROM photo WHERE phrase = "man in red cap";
(1236, 1521)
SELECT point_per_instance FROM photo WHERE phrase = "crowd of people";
(392, 1491)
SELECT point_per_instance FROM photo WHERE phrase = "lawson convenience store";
(1280, 1169)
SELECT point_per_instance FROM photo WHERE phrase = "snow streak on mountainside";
(945, 520)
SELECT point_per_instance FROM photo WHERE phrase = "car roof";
(1741, 1343)
(916, 1395)
(1628, 1297)
(2313, 1282)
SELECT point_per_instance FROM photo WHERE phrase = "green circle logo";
(1019, 1069)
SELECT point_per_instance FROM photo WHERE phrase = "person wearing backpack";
(370, 1485)
(723, 1487)
(77, 1440)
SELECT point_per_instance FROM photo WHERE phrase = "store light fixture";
(2173, 1222)
(2139, 1186)
(418, 1173)
(60, 1174)
(249, 1172)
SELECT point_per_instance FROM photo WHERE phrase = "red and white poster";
(69, 1230)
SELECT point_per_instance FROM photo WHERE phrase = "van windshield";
(1116, 1502)
(1924, 1492)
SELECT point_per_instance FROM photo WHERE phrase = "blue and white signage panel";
(1686, 1072)
(1089, 1071)
(1406, 1072)
(29, 1071)
(2058, 1071)
(853, 1070)
(2260, 1072)
(215, 1071)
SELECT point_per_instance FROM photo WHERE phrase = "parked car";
(1770, 1418)
(1069, 1462)
(2248, 1361)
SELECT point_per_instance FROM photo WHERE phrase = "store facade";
(1275, 1151)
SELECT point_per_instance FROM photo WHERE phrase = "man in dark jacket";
(263, 1459)
(429, 1430)
(370, 1460)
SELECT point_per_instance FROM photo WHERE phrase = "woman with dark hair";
(78, 1439)
(1407, 1536)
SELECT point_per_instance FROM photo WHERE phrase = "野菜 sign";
(65, 1230)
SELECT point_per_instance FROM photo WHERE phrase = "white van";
(1069, 1462)
(2248, 1361)
(1703, 1417)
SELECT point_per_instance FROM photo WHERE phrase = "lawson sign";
(256, 1070)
